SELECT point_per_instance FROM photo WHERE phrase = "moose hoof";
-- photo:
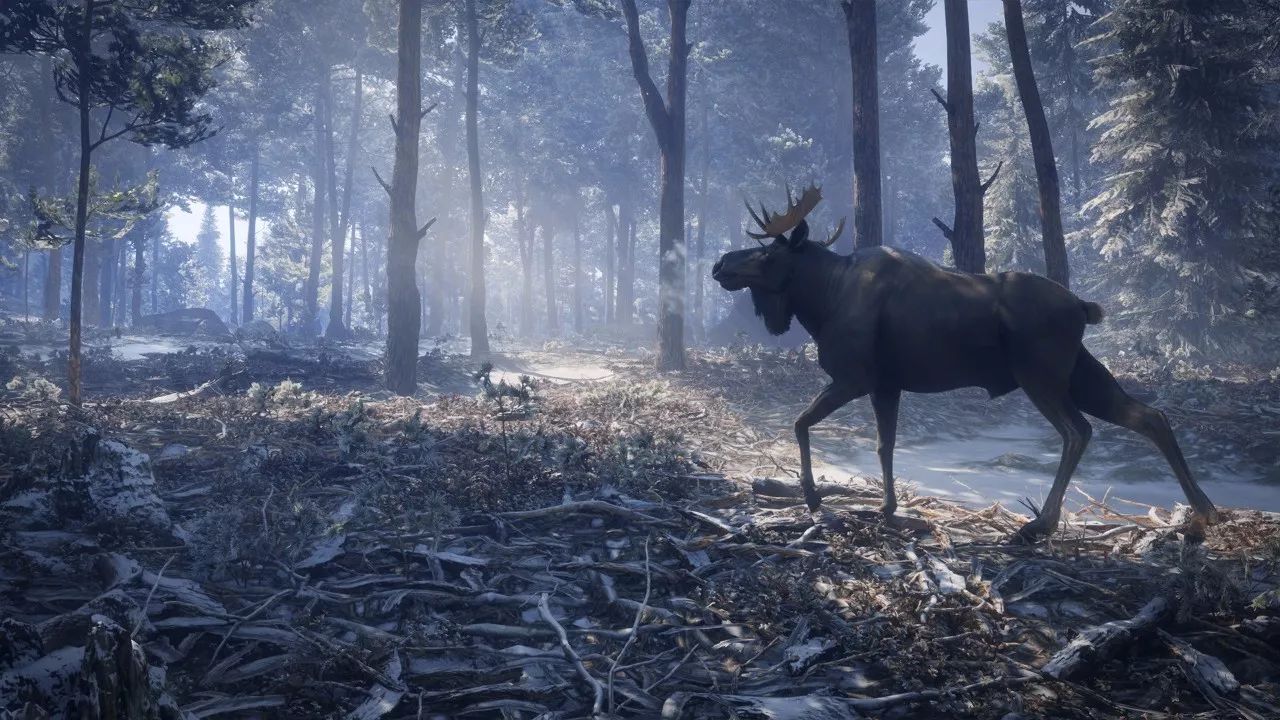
(888, 509)
(1035, 530)
(812, 499)
(1193, 530)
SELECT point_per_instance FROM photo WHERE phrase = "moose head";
(768, 270)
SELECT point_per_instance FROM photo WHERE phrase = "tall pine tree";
(1188, 134)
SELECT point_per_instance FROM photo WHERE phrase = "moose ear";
(800, 234)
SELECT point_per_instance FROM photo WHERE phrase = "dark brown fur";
(887, 321)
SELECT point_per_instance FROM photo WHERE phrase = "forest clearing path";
(337, 548)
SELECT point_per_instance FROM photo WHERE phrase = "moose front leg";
(828, 401)
(885, 405)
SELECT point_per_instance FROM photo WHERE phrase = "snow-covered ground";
(1010, 462)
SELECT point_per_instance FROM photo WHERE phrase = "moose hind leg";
(1075, 430)
(831, 398)
(1096, 392)
(885, 405)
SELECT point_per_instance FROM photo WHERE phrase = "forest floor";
(569, 534)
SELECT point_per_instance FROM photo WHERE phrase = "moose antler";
(773, 225)
(831, 239)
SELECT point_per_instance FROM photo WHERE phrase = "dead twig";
(597, 690)
(635, 626)
(138, 625)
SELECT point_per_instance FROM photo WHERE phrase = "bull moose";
(887, 321)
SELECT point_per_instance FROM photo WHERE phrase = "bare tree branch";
(947, 232)
(422, 232)
(941, 100)
(381, 182)
(994, 174)
(655, 108)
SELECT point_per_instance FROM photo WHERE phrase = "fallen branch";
(1096, 645)
(598, 507)
(597, 690)
(635, 625)
(1210, 676)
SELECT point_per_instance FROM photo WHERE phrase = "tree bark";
(91, 313)
(668, 122)
(373, 319)
(404, 317)
(626, 268)
(699, 246)
(966, 231)
(26, 285)
(340, 220)
(139, 273)
(122, 284)
(106, 280)
(890, 204)
(52, 297)
(860, 20)
(477, 326)
(608, 247)
(334, 328)
(311, 310)
(577, 273)
(234, 305)
(250, 249)
(1055, 247)
(525, 238)
(155, 274)
(549, 276)
(351, 280)
(82, 204)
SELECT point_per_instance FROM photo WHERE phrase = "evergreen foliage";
(1189, 141)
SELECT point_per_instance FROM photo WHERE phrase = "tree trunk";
(370, 317)
(860, 20)
(966, 231)
(139, 273)
(549, 277)
(890, 202)
(122, 284)
(234, 305)
(404, 318)
(668, 122)
(699, 246)
(155, 274)
(334, 329)
(633, 234)
(106, 280)
(311, 310)
(339, 220)
(82, 204)
(611, 229)
(26, 285)
(91, 313)
(672, 252)
(478, 327)
(1055, 247)
(250, 249)
(577, 273)
(52, 298)
(626, 269)
(351, 280)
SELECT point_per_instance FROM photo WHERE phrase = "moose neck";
(813, 295)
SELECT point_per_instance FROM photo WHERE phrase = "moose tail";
(1092, 313)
